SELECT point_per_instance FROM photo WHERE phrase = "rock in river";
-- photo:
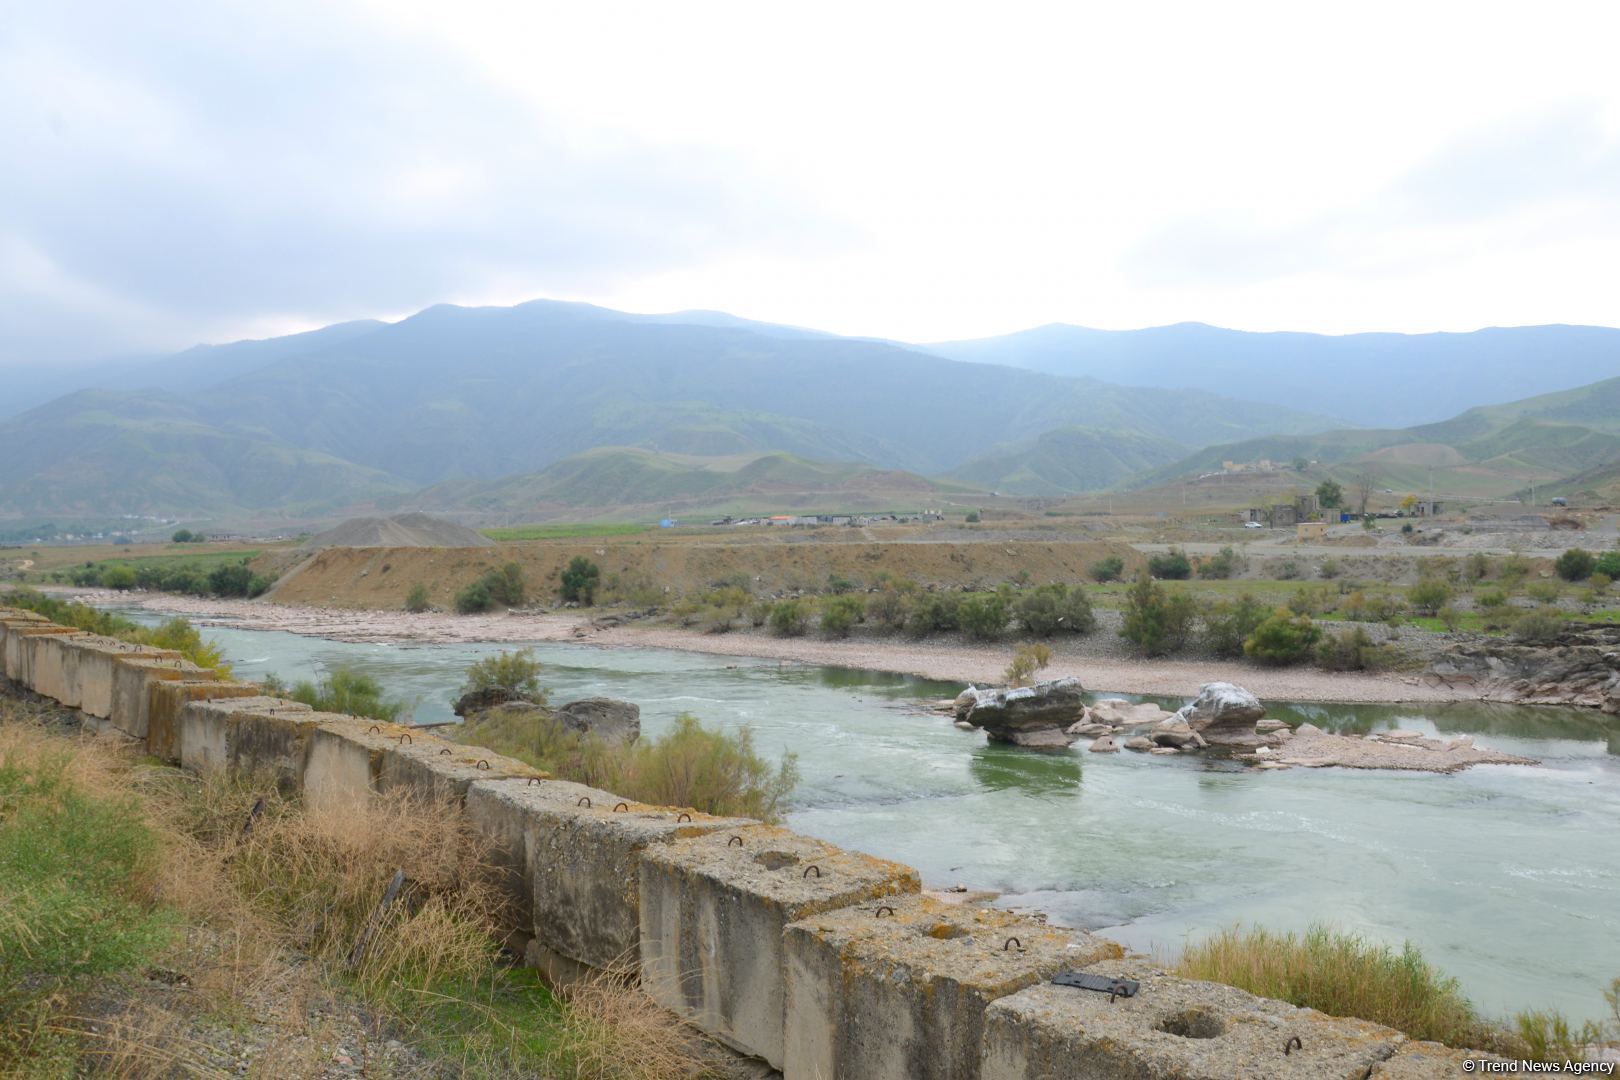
(618, 721)
(1029, 715)
(1223, 712)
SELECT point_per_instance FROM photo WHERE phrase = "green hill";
(612, 480)
(1490, 451)
(1067, 461)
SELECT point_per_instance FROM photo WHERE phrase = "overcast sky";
(182, 172)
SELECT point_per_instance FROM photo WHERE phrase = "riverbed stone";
(1139, 742)
(713, 909)
(1104, 745)
(899, 989)
(1172, 1027)
(1224, 713)
(615, 721)
(1122, 713)
(1044, 707)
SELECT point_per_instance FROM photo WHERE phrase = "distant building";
(1310, 531)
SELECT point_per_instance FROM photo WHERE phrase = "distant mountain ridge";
(480, 393)
(1383, 380)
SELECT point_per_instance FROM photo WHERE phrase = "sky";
(179, 172)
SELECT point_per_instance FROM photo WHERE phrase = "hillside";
(478, 393)
(1067, 461)
(1385, 380)
(605, 480)
(1487, 451)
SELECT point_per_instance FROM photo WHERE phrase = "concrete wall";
(824, 963)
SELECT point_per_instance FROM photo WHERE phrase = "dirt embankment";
(379, 578)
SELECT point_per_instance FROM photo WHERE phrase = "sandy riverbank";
(953, 661)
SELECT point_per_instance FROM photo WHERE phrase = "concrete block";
(434, 768)
(1173, 1027)
(1429, 1061)
(13, 624)
(343, 765)
(89, 665)
(712, 915)
(39, 658)
(153, 695)
(903, 995)
(571, 860)
(251, 733)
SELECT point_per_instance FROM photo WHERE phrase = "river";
(1507, 877)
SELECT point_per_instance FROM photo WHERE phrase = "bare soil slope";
(399, 531)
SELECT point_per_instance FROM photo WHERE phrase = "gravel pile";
(399, 531)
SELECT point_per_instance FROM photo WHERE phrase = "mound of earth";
(399, 531)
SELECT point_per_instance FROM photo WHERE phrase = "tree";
(1300, 465)
(1409, 504)
(517, 673)
(1364, 487)
(1156, 621)
(1284, 638)
(579, 580)
(1575, 564)
(1330, 494)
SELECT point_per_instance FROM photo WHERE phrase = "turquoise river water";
(1506, 876)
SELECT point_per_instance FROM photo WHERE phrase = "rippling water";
(1507, 877)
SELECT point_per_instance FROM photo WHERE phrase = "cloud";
(182, 168)
(1559, 167)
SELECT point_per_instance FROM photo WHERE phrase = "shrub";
(1348, 650)
(1607, 563)
(1477, 567)
(932, 613)
(186, 536)
(1328, 570)
(1513, 568)
(1428, 595)
(121, 578)
(1576, 564)
(838, 584)
(1312, 600)
(1539, 627)
(416, 600)
(710, 770)
(972, 517)
(345, 690)
(840, 614)
(1228, 624)
(983, 615)
(790, 618)
(579, 580)
(1288, 571)
(1173, 565)
(1283, 638)
(759, 613)
(506, 584)
(1222, 565)
(474, 599)
(1157, 621)
(1026, 661)
(1109, 569)
(1049, 608)
(1450, 617)
(1543, 592)
(1600, 582)
(230, 579)
(1490, 599)
(516, 672)
(887, 606)
(1339, 974)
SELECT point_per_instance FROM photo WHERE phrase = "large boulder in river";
(490, 697)
(1029, 715)
(1223, 712)
(606, 718)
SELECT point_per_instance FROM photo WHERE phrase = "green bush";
(516, 672)
(1328, 570)
(972, 517)
(840, 614)
(1109, 569)
(706, 769)
(1477, 567)
(932, 613)
(1173, 565)
(345, 690)
(416, 600)
(474, 598)
(1513, 568)
(1283, 638)
(1220, 566)
(121, 578)
(1348, 650)
(983, 615)
(579, 580)
(838, 584)
(1576, 564)
(1157, 621)
(1045, 610)
(1228, 624)
(1428, 595)
(887, 607)
(1539, 627)
(230, 579)
(506, 585)
(1543, 592)
(1490, 599)
(1607, 563)
(186, 536)
(790, 618)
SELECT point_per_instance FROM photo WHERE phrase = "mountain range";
(559, 405)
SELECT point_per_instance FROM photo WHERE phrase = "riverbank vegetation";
(176, 633)
(144, 931)
(1346, 975)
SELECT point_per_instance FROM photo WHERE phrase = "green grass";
(563, 531)
(76, 869)
(203, 561)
